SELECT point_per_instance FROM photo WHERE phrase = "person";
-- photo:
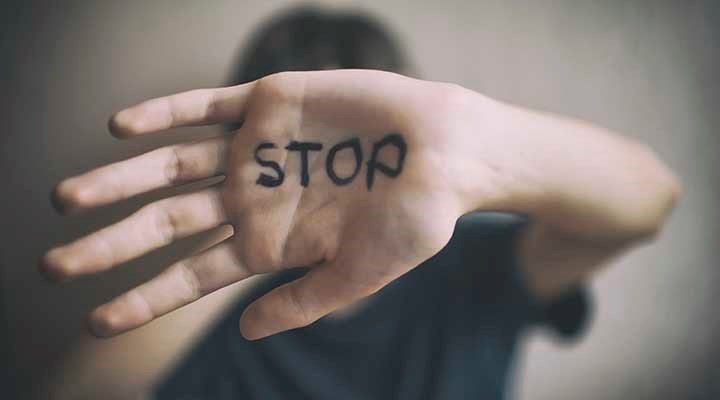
(410, 232)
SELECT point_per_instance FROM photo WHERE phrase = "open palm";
(349, 173)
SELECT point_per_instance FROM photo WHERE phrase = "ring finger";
(152, 227)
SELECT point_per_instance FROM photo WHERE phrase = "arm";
(590, 194)
(360, 175)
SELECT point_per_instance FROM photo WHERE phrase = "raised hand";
(359, 175)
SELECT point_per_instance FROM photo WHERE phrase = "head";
(310, 38)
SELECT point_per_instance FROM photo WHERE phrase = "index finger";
(191, 108)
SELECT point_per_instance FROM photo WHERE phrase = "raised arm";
(361, 176)
(589, 193)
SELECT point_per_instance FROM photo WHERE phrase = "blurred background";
(648, 69)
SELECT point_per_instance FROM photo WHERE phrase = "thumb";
(303, 301)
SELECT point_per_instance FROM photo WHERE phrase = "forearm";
(573, 177)
(590, 194)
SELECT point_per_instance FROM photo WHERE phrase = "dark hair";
(310, 38)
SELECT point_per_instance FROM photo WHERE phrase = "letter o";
(353, 143)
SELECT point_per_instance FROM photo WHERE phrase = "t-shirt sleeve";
(490, 277)
(569, 314)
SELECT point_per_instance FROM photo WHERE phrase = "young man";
(387, 190)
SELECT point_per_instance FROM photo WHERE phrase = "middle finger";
(160, 168)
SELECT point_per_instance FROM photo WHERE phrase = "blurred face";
(312, 38)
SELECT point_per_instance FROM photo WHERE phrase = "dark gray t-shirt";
(448, 329)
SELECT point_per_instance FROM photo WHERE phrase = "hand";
(359, 175)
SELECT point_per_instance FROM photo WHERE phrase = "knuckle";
(173, 166)
(299, 309)
(210, 103)
(453, 94)
(279, 86)
(179, 165)
(171, 105)
(450, 99)
(191, 279)
(164, 221)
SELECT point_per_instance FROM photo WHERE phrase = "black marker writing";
(264, 179)
(304, 148)
(391, 139)
(353, 143)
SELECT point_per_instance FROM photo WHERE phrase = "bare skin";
(590, 194)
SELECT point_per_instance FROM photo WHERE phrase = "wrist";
(493, 160)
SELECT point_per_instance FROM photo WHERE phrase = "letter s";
(265, 179)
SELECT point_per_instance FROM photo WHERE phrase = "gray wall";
(645, 68)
